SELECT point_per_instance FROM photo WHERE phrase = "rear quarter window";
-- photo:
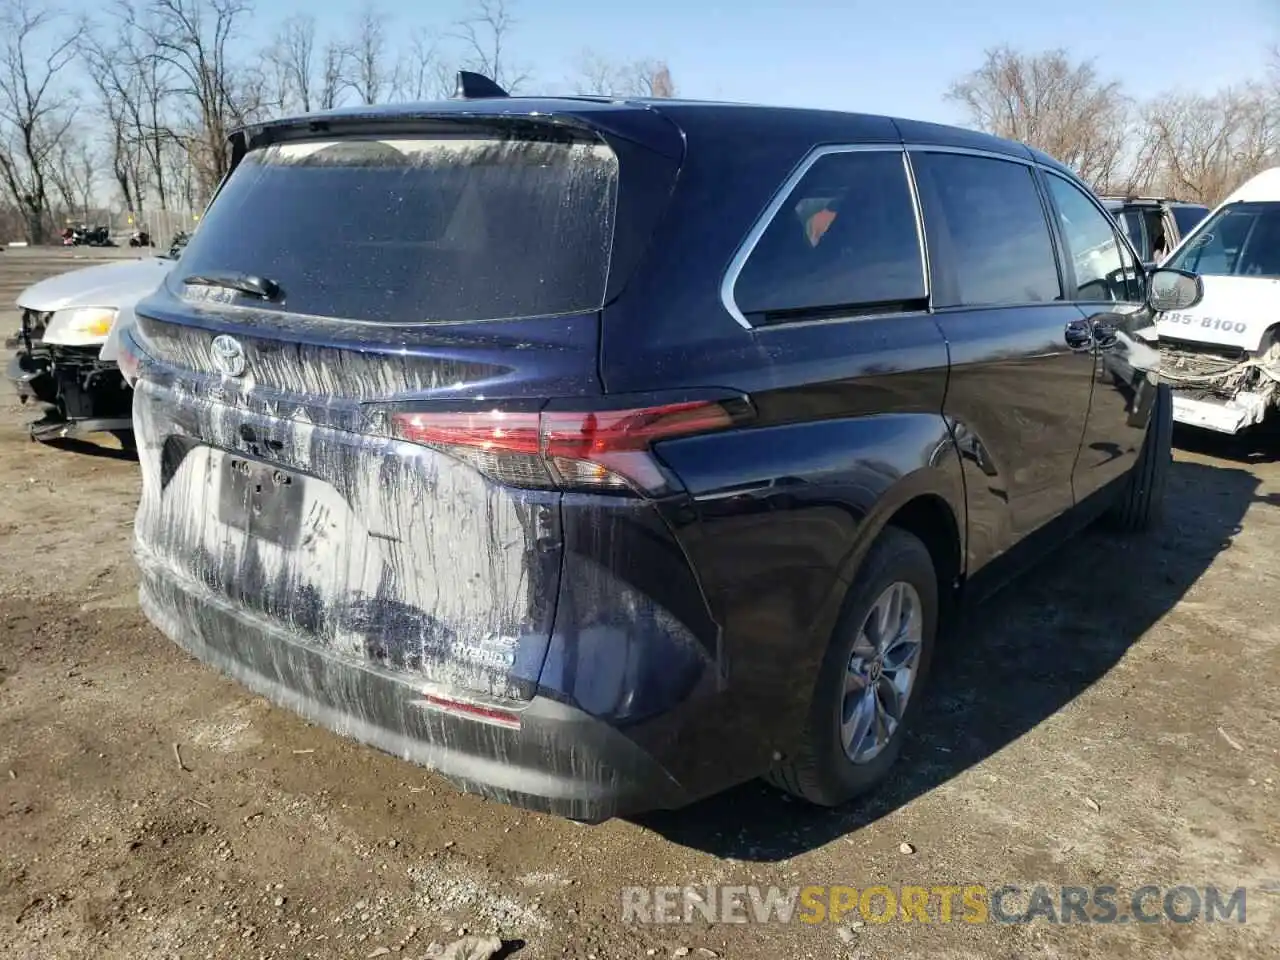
(843, 241)
(436, 229)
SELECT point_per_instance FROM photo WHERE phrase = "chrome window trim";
(968, 151)
(762, 222)
(921, 238)
(854, 318)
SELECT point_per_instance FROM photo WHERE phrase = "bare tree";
(658, 80)
(421, 73)
(295, 52)
(36, 110)
(1202, 147)
(640, 78)
(126, 164)
(484, 35)
(272, 83)
(1052, 103)
(333, 76)
(119, 96)
(134, 87)
(195, 39)
(371, 75)
(595, 76)
(260, 89)
(155, 86)
(311, 77)
(73, 170)
(1143, 173)
(182, 174)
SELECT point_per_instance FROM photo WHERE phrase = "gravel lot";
(1111, 719)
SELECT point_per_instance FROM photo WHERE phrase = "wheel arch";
(930, 512)
(931, 520)
(929, 504)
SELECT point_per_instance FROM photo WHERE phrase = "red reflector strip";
(474, 711)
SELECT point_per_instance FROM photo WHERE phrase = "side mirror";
(1173, 290)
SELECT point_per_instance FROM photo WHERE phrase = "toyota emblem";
(228, 356)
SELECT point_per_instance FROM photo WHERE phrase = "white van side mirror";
(1173, 290)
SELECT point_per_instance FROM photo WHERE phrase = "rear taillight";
(596, 450)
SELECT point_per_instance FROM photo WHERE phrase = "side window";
(1091, 242)
(987, 218)
(1134, 282)
(1131, 221)
(1187, 215)
(844, 240)
(1160, 244)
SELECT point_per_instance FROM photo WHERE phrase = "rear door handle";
(1079, 335)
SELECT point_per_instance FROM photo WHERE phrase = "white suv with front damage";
(1222, 357)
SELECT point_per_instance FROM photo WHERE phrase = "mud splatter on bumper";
(560, 760)
(360, 580)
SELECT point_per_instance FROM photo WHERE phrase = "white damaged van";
(1222, 357)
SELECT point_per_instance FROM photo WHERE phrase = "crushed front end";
(74, 391)
(1222, 388)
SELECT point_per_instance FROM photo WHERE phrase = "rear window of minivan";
(433, 229)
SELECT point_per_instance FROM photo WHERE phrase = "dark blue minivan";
(602, 454)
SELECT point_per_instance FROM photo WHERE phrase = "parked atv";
(86, 236)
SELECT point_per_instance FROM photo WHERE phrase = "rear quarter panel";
(848, 428)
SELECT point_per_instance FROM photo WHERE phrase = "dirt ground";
(1113, 718)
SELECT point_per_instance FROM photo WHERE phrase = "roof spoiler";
(476, 86)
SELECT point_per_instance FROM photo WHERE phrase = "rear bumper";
(560, 760)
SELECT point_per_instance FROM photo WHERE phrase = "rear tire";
(1141, 503)
(820, 769)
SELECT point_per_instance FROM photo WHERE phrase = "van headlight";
(81, 321)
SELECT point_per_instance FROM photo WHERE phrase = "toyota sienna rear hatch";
(338, 396)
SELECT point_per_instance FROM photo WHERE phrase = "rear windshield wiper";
(259, 287)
